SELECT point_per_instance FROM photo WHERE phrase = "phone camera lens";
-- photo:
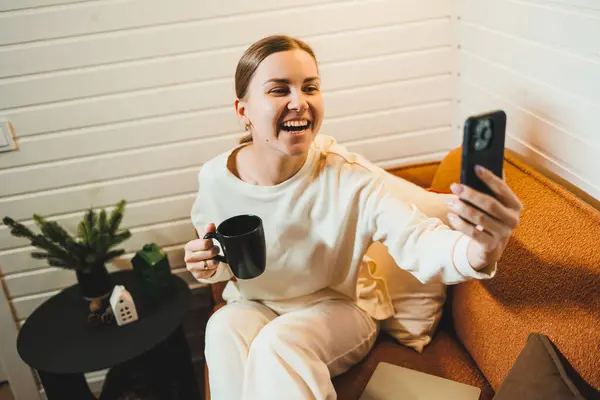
(480, 145)
(487, 134)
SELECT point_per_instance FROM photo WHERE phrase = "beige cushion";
(417, 306)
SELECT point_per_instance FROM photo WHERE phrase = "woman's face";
(284, 103)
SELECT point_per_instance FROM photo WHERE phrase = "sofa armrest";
(421, 174)
(217, 292)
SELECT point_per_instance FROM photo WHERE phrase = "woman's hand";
(199, 254)
(491, 225)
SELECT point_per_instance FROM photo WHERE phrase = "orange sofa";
(548, 282)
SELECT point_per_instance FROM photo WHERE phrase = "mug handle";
(215, 236)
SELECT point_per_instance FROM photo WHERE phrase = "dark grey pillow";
(541, 372)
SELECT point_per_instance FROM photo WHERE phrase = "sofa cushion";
(444, 357)
(538, 373)
(547, 280)
(417, 307)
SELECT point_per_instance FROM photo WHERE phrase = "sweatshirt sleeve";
(200, 220)
(423, 246)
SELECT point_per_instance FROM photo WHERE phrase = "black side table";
(61, 345)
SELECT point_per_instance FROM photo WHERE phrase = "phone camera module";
(483, 134)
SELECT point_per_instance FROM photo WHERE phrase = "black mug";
(242, 239)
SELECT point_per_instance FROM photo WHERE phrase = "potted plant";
(86, 253)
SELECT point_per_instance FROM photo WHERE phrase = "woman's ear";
(240, 110)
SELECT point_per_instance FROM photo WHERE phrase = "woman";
(284, 334)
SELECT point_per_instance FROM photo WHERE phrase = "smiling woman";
(256, 54)
(285, 89)
(279, 101)
(285, 333)
(282, 107)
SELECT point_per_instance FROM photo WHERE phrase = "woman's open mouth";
(295, 127)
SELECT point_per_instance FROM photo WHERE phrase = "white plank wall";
(115, 99)
(540, 62)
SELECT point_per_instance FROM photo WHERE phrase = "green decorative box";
(152, 270)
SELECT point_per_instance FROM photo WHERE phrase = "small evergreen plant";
(97, 235)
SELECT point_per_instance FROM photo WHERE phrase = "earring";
(247, 126)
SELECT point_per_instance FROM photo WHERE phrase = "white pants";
(254, 354)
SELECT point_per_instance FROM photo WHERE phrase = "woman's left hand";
(491, 226)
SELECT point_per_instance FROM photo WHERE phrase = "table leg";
(177, 359)
(65, 386)
(166, 371)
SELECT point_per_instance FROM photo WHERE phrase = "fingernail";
(451, 216)
(456, 189)
(479, 169)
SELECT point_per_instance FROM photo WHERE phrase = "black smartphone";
(483, 144)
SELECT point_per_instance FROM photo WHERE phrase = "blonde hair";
(254, 55)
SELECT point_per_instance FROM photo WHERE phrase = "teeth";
(302, 122)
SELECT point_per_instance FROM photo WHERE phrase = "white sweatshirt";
(318, 226)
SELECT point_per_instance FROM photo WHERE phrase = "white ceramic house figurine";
(123, 306)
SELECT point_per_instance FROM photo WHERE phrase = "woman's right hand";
(199, 255)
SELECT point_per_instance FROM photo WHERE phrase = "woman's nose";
(298, 103)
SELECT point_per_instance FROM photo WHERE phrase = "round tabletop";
(57, 337)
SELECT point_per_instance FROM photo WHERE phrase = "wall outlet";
(7, 138)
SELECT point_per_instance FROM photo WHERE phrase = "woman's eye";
(311, 89)
(278, 91)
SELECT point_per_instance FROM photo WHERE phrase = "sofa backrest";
(548, 279)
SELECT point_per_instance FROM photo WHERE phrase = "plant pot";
(95, 282)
